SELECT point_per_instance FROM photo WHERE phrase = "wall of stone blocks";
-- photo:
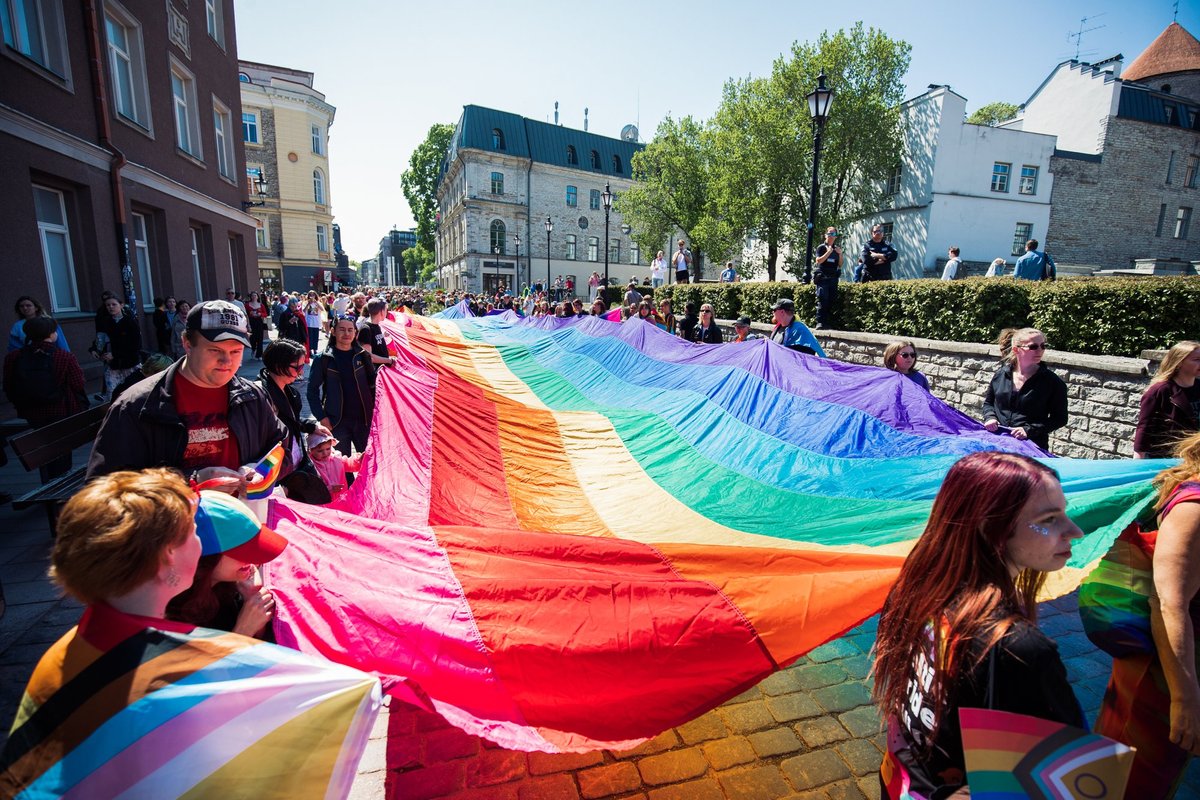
(1102, 392)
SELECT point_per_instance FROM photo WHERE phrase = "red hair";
(957, 573)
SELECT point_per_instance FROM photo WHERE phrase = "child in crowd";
(331, 466)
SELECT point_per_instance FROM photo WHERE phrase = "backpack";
(35, 383)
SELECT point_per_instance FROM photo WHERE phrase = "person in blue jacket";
(791, 332)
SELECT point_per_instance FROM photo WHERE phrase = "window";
(223, 134)
(141, 257)
(614, 251)
(499, 237)
(318, 140)
(893, 181)
(56, 248)
(1029, 176)
(1021, 235)
(196, 264)
(34, 28)
(1169, 111)
(1171, 166)
(635, 253)
(571, 255)
(214, 21)
(183, 92)
(318, 187)
(249, 127)
(887, 231)
(127, 65)
(497, 183)
(617, 166)
(1162, 217)
(1000, 173)
(497, 139)
(1183, 220)
(595, 160)
(572, 156)
(322, 239)
(593, 248)
(594, 199)
(253, 173)
(1189, 173)
(572, 195)
(260, 233)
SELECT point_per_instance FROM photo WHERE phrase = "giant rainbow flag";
(574, 534)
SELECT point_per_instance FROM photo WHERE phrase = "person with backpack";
(45, 384)
(1035, 265)
(954, 269)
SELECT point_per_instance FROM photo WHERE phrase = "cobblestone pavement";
(806, 732)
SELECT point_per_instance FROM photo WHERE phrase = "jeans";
(827, 291)
(314, 337)
(656, 282)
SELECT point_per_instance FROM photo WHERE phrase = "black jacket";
(142, 428)
(710, 335)
(287, 405)
(324, 376)
(873, 271)
(688, 327)
(1040, 407)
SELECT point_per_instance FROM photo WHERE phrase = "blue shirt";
(797, 335)
(1032, 266)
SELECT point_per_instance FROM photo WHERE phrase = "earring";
(172, 578)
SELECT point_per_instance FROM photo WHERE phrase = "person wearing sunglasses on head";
(1025, 398)
(902, 357)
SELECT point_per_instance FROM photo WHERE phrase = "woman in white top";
(657, 269)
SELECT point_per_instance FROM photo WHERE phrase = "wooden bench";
(40, 446)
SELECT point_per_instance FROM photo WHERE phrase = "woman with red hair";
(959, 628)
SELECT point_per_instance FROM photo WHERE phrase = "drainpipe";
(104, 123)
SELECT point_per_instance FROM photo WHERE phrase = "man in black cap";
(791, 332)
(198, 416)
(878, 256)
(741, 330)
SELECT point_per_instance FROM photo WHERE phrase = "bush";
(1101, 316)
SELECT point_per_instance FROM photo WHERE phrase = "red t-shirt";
(205, 414)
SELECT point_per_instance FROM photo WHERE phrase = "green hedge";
(1102, 316)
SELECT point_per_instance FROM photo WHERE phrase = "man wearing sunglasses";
(877, 257)
(827, 268)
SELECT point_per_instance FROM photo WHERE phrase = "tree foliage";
(993, 114)
(419, 183)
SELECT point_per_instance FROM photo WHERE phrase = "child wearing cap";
(227, 592)
(331, 465)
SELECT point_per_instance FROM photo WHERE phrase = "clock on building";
(583, 223)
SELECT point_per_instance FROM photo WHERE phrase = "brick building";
(118, 146)
(285, 131)
(506, 175)
(1127, 164)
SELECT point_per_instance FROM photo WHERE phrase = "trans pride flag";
(574, 534)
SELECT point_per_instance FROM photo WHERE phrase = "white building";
(983, 189)
(504, 177)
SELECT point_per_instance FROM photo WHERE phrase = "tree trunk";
(772, 258)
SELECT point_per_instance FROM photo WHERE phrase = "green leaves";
(419, 183)
(993, 114)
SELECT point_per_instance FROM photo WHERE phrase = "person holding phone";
(827, 269)
(1025, 396)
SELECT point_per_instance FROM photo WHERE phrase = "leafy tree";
(419, 264)
(419, 183)
(671, 188)
(993, 114)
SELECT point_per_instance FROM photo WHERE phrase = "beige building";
(285, 129)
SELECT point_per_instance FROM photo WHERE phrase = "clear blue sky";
(392, 69)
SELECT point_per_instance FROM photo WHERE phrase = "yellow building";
(285, 129)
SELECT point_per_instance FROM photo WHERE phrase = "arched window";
(497, 139)
(498, 236)
(617, 165)
(595, 160)
(318, 187)
(572, 156)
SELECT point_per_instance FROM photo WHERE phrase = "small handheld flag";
(267, 472)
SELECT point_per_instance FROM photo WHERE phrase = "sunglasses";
(1034, 346)
(908, 355)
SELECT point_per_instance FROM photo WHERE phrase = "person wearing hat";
(331, 466)
(791, 332)
(741, 330)
(227, 592)
(197, 416)
(827, 269)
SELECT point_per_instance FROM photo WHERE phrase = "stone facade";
(1102, 391)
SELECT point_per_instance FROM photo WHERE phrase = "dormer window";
(497, 139)
(595, 159)
(616, 165)
(572, 156)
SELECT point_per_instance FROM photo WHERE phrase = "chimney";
(555, 112)
(585, 113)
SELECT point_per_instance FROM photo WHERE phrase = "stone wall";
(1102, 392)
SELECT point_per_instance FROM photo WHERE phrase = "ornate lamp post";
(818, 107)
(549, 227)
(607, 198)
(517, 267)
(496, 263)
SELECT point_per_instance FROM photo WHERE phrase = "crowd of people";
(157, 538)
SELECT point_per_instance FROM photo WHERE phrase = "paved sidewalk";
(806, 732)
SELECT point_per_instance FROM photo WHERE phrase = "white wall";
(1073, 104)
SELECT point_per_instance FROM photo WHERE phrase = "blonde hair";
(1175, 356)
(111, 535)
(893, 350)
(1167, 481)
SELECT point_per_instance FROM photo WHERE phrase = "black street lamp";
(496, 264)
(549, 227)
(517, 268)
(818, 107)
(260, 189)
(607, 198)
